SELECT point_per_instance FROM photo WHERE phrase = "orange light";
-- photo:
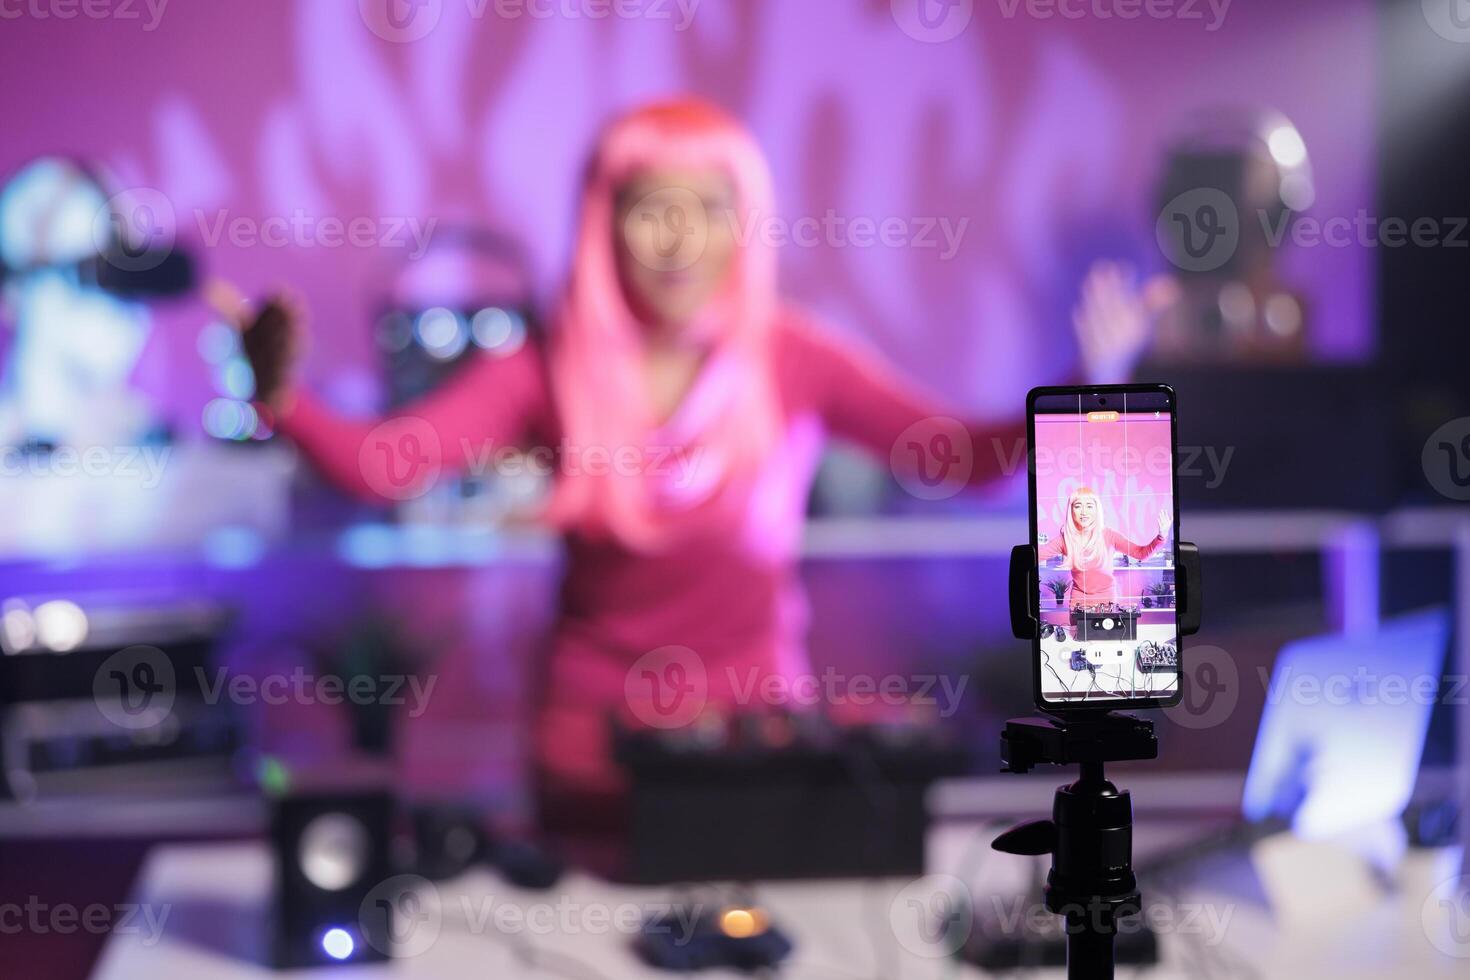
(739, 923)
(1102, 416)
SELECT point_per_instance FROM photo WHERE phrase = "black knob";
(1034, 838)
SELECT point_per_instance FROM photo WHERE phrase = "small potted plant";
(1058, 587)
(1160, 595)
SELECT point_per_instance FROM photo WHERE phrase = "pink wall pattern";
(1039, 137)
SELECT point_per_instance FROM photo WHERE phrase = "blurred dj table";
(1283, 908)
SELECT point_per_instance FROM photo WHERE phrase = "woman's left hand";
(1166, 521)
(1114, 320)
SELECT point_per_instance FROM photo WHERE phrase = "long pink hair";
(1085, 548)
(597, 342)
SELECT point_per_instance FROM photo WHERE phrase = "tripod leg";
(1089, 949)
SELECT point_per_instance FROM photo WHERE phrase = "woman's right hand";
(1114, 320)
(271, 337)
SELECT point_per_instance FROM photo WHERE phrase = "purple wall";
(1042, 134)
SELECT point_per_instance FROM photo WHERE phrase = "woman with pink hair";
(673, 363)
(1089, 546)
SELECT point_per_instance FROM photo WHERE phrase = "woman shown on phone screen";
(1089, 546)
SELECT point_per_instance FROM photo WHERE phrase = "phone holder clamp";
(1090, 835)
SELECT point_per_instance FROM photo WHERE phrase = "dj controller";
(851, 797)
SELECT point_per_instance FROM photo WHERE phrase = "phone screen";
(1103, 518)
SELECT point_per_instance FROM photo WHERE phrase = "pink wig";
(597, 345)
(1085, 548)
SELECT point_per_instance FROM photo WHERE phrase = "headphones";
(56, 216)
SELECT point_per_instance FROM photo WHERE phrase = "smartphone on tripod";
(1104, 525)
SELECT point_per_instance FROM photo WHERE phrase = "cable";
(1064, 685)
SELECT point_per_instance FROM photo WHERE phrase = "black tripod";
(1090, 836)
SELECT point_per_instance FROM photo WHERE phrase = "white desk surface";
(1288, 909)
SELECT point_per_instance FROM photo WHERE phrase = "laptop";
(1343, 731)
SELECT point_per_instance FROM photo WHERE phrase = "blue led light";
(338, 943)
(226, 418)
(236, 379)
(369, 546)
(234, 547)
(218, 342)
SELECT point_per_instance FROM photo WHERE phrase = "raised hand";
(1114, 320)
(1166, 521)
(270, 336)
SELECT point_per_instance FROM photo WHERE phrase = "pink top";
(732, 598)
(1094, 584)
